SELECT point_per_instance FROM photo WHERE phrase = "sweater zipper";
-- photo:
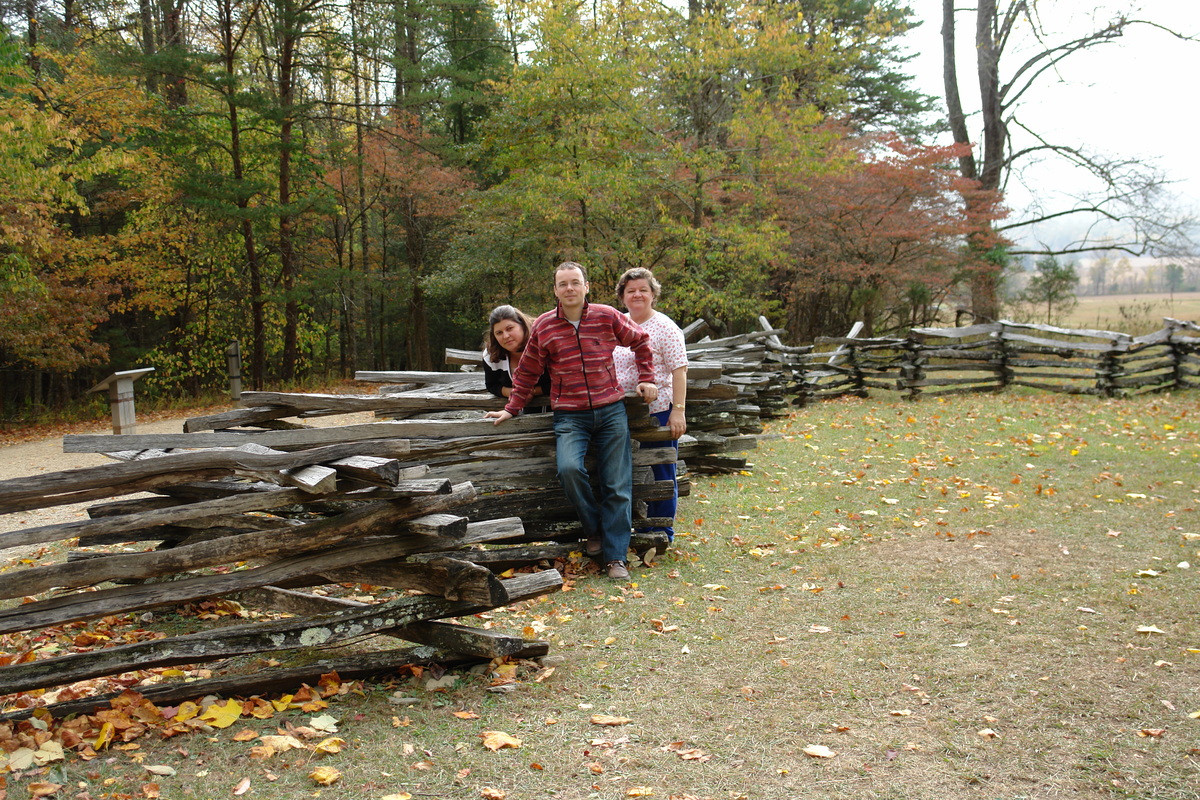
(583, 365)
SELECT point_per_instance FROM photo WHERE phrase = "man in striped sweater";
(575, 343)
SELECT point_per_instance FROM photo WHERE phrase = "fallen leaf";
(324, 723)
(605, 719)
(242, 787)
(1149, 629)
(988, 733)
(245, 735)
(497, 740)
(50, 751)
(466, 715)
(20, 759)
(43, 789)
(1152, 733)
(397, 796)
(283, 742)
(903, 712)
(159, 769)
(818, 751)
(330, 746)
(326, 776)
(640, 791)
(222, 715)
(488, 793)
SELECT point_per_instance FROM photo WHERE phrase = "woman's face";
(510, 335)
(638, 296)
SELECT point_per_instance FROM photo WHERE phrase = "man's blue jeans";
(606, 511)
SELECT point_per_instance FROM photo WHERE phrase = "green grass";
(889, 580)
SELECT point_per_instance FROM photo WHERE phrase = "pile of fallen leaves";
(30, 748)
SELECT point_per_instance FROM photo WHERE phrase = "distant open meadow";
(1132, 313)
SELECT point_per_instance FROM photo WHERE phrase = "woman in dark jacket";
(507, 333)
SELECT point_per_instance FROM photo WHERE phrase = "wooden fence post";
(1006, 374)
(911, 373)
(233, 358)
(120, 398)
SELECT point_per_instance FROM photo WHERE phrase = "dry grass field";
(989, 597)
(1132, 313)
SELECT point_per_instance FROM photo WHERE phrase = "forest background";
(352, 184)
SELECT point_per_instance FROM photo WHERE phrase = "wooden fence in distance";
(992, 357)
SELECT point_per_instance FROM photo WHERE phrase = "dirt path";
(45, 456)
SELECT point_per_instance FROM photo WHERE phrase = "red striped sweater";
(580, 361)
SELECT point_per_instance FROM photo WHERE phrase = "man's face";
(570, 288)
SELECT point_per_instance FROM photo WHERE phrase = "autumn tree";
(875, 235)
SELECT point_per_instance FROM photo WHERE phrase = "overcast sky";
(1136, 97)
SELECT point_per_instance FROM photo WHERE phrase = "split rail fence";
(252, 509)
(992, 357)
(430, 504)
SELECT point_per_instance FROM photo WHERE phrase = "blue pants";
(664, 472)
(608, 510)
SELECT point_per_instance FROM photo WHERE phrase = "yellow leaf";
(245, 735)
(818, 751)
(397, 796)
(187, 711)
(326, 776)
(1149, 629)
(605, 719)
(222, 715)
(330, 746)
(282, 703)
(466, 715)
(639, 791)
(105, 736)
(497, 740)
(43, 789)
(159, 769)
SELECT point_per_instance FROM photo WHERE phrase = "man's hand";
(499, 416)
(648, 391)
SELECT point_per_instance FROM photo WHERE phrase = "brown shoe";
(592, 546)
(617, 571)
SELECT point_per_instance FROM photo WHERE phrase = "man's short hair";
(570, 265)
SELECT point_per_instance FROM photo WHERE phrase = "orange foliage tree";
(877, 233)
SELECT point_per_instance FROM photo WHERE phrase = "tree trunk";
(289, 265)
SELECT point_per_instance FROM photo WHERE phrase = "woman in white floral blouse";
(638, 290)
